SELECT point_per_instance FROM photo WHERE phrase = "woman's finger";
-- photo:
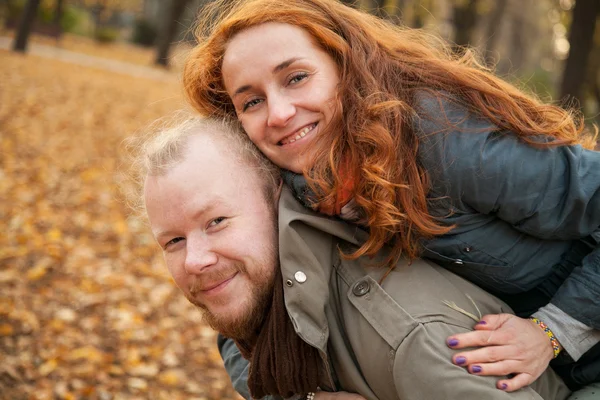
(485, 355)
(492, 322)
(515, 383)
(500, 368)
(479, 339)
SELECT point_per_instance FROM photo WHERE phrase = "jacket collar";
(308, 252)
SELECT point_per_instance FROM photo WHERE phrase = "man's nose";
(281, 111)
(199, 255)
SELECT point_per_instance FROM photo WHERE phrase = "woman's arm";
(551, 193)
(548, 193)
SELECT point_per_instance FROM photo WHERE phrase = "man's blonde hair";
(164, 146)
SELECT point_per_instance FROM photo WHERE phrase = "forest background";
(87, 308)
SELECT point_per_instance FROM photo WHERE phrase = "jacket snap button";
(361, 288)
(459, 262)
(289, 283)
(300, 277)
(467, 249)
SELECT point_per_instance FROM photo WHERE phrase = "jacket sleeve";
(423, 370)
(236, 366)
(549, 193)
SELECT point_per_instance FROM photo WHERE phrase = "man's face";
(218, 234)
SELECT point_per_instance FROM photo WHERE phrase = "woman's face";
(283, 87)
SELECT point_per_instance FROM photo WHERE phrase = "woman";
(437, 156)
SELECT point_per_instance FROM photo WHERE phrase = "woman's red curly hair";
(372, 140)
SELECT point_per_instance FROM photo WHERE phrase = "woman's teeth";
(300, 135)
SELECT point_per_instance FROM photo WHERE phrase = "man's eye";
(216, 221)
(173, 241)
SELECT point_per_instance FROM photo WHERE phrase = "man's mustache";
(213, 277)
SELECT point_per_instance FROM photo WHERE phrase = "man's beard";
(247, 324)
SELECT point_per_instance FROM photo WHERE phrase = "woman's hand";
(337, 396)
(508, 345)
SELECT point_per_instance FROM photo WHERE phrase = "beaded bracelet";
(310, 396)
(555, 346)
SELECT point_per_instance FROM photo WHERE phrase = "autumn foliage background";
(87, 308)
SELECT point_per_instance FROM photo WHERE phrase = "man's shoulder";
(413, 294)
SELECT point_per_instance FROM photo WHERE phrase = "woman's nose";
(281, 110)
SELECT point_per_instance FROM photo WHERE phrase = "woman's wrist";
(556, 347)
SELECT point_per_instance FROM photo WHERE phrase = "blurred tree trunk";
(25, 25)
(169, 28)
(518, 44)
(596, 94)
(377, 7)
(351, 3)
(97, 10)
(394, 8)
(464, 15)
(581, 39)
(592, 79)
(492, 32)
(58, 13)
(414, 14)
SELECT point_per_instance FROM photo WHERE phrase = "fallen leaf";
(6, 330)
(48, 367)
(40, 269)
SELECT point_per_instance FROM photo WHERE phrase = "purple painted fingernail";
(453, 342)
(476, 369)
(460, 360)
(482, 322)
(504, 386)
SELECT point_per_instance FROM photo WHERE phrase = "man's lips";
(298, 135)
(213, 287)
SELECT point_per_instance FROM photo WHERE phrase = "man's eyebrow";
(277, 68)
(204, 209)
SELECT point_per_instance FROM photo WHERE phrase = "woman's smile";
(294, 137)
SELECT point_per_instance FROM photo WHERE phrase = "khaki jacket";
(383, 342)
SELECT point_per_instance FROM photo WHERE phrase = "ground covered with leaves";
(87, 308)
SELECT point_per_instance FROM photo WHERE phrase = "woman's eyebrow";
(277, 68)
(242, 89)
(285, 64)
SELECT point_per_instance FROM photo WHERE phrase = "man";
(318, 319)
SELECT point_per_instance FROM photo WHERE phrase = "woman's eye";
(298, 77)
(173, 241)
(216, 221)
(250, 103)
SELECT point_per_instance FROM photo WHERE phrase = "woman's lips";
(299, 135)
